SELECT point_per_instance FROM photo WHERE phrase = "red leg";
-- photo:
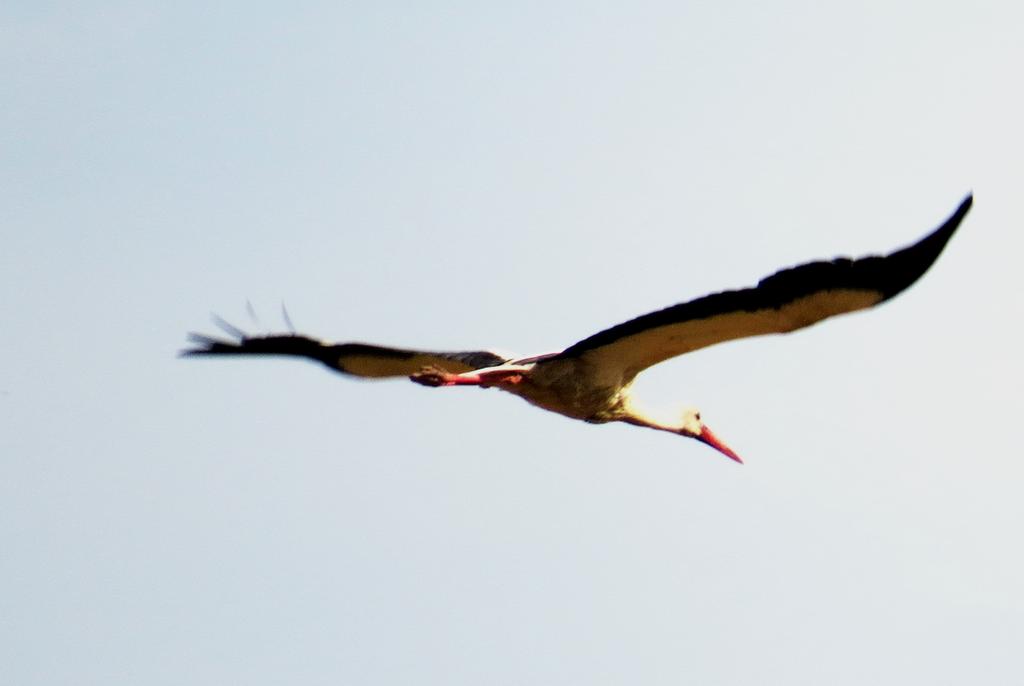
(431, 376)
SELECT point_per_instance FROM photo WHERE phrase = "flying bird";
(591, 379)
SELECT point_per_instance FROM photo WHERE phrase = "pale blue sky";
(459, 175)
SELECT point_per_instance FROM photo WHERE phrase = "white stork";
(591, 379)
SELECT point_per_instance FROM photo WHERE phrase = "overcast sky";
(518, 175)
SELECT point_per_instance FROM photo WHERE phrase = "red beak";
(709, 437)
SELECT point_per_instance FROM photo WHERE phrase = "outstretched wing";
(786, 301)
(355, 359)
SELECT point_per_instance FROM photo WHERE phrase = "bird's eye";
(696, 415)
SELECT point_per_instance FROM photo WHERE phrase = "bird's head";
(684, 423)
(694, 427)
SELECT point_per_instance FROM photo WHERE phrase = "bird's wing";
(355, 359)
(788, 300)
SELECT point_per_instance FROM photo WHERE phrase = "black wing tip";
(949, 227)
(958, 215)
(961, 212)
(208, 345)
(910, 264)
(242, 343)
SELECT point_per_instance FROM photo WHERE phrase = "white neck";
(662, 420)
